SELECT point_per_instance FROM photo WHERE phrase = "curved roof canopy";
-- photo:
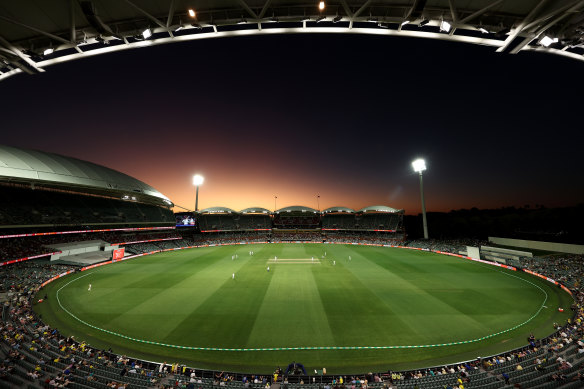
(338, 209)
(255, 210)
(37, 33)
(379, 208)
(38, 166)
(217, 210)
(296, 208)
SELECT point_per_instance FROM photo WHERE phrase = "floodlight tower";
(197, 181)
(419, 166)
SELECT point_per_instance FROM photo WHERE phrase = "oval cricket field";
(348, 308)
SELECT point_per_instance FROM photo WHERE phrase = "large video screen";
(185, 219)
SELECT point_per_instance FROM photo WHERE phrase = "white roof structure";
(296, 208)
(22, 165)
(217, 210)
(35, 34)
(380, 208)
(338, 209)
(256, 210)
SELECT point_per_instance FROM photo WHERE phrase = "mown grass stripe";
(385, 347)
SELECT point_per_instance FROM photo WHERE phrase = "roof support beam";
(562, 15)
(48, 34)
(480, 12)
(471, 16)
(155, 20)
(73, 37)
(521, 26)
(247, 9)
(361, 9)
(453, 13)
(567, 9)
(265, 9)
(347, 9)
(407, 16)
(454, 16)
(32, 67)
(356, 14)
(170, 13)
(73, 28)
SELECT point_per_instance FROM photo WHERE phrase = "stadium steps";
(13, 381)
(4, 384)
(537, 378)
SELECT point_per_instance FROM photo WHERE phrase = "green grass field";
(188, 303)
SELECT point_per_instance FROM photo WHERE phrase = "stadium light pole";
(197, 181)
(419, 166)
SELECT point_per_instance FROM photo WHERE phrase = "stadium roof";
(297, 208)
(217, 210)
(379, 208)
(255, 210)
(35, 34)
(338, 209)
(37, 166)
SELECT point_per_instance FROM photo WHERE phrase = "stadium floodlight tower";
(197, 181)
(419, 166)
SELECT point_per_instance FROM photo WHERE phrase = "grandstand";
(221, 219)
(296, 217)
(299, 223)
(376, 218)
(48, 199)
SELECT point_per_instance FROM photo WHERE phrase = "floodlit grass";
(381, 297)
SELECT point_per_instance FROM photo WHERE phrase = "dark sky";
(342, 116)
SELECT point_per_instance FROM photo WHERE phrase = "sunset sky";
(338, 116)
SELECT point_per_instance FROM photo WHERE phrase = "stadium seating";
(234, 222)
(365, 221)
(25, 207)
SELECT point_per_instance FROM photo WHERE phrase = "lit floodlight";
(192, 13)
(546, 41)
(147, 33)
(198, 179)
(48, 51)
(321, 5)
(445, 26)
(419, 165)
